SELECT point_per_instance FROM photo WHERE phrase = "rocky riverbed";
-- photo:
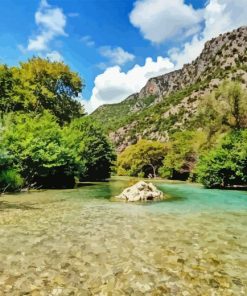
(73, 242)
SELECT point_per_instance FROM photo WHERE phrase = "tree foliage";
(45, 139)
(36, 145)
(224, 109)
(227, 164)
(50, 156)
(92, 149)
(10, 179)
(6, 89)
(182, 154)
(142, 159)
(39, 85)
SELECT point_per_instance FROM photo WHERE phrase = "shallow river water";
(79, 242)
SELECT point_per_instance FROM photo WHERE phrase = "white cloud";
(88, 41)
(220, 16)
(114, 85)
(159, 20)
(51, 23)
(54, 56)
(117, 55)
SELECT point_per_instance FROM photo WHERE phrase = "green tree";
(141, 159)
(182, 155)
(6, 89)
(224, 109)
(232, 99)
(91, 148)
(10, 179)
(35, 143)
(38, 85)
(227, 164)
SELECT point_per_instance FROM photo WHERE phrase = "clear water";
(80, 242)
(194, 198)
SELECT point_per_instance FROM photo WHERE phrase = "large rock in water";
(141, 191)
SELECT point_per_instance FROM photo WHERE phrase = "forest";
(212, 150)
(47, 140)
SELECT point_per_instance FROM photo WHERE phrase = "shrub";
(91, 148)
(10, 180)
(226, 165)
(35, 144)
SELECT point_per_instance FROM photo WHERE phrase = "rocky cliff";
(167, 102)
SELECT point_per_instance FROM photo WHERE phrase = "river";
(80, 242)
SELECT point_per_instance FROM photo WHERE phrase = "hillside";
(169, 102)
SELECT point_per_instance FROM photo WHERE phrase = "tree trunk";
(154, 170)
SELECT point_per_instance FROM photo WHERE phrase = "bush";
(91, 148)
(49, 156)
(35, 144)
(10, 180)
(226, 165)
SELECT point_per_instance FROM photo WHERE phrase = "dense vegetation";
(142, 159)
(193, 110)
(149, 114)
(48, 142)
(227, 164)
(181, 157)
(213, 150)
(45, 139)
(39, 85)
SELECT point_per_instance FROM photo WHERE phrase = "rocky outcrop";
(222, 52)
(141, 191)
(155, 112)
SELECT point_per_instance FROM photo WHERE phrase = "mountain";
(168, 103)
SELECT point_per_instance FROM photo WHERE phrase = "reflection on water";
(78, 242)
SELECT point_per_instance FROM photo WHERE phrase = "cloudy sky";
(115, 45)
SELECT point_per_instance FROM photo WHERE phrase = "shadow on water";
(170, 199)
(4, 205)
(83, 184)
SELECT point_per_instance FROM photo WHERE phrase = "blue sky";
(115, 45)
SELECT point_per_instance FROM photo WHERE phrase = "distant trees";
(232, 99)
(142, 159)
(182, 155)
(225, 108)
(214, 152)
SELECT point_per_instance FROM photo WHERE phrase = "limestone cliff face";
(221, 52)
(224, 57)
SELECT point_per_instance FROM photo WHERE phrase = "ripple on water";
(76, 243)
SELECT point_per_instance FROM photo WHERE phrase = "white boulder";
(141, 191)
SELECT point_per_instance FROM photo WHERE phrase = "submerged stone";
(141, 191)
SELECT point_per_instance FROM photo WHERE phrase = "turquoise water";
(194, 198)
(82, 242)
